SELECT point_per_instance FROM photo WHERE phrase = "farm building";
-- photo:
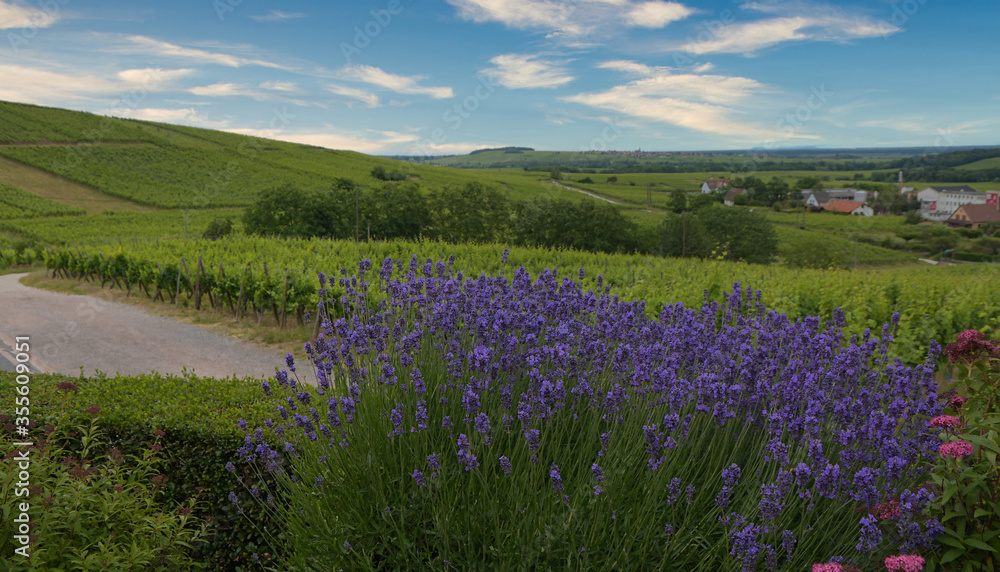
(820, 199)
(938, 203)
(713, 185)
(974, 216)
(730, 198)
(850, 207)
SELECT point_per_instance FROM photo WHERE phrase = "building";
(938, 203)
(974, 216)
(857, 208)
(713, 185)
(820, 199)
(730, 199)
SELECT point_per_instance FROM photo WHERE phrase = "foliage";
(741, 234)
(94, 507)
(681, 235)
(817, 253)
(933, 302)
(966, 473)
(471, 213)
(509, 423)
(286, 211)
(393, 211)
(199, 419)
(584, 225)
(218, 228)
(381, 173)
(117, 227)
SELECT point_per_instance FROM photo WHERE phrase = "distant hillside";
(171, 166)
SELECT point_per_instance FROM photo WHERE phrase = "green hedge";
(971, 256)
(200, 417)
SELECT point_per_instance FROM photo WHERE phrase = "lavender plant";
(518, 423)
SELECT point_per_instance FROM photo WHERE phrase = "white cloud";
(657, 14)
(285, 86)
(788, 23)
(369, 99)
(397, 83)
(32, 85)
(699, 102)
(152, 78)
(515, 71)
(161, 48)
(278, 16)
(572, 18)
(18, 16)
(334, 138)
(188, 116)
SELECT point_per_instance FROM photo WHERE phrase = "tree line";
(478, 213)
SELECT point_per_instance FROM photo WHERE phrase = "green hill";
(170, 166)
(991, 163)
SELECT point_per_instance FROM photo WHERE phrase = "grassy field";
(991, 163)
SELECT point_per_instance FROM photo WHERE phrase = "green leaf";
(976, 543)
(951, 555)
(982, 442)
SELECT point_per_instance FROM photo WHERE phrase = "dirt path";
(68, 332)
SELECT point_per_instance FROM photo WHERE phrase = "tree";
(393, 211)
(612, 179)
(681, 235)
(583, 225)
(218, 228)
(556, 175)
(809, 183)
(473, 212)
(678, 201)
(285, 211)
(741, 234)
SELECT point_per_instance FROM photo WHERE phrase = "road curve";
(68, 332)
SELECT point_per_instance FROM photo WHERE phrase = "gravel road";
(68, 332)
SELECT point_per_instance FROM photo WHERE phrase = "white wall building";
(939, 203)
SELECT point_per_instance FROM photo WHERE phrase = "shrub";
(199, 417)
(966, 472)
(496, 423)
(90, 507)
(218, 228)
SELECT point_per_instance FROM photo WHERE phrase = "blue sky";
(449, 76)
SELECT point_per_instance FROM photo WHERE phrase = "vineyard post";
(223, 291)
(177, 290)
(239, 300)
(197, 284)
(159, 292)
(260, 311)
(284, 301)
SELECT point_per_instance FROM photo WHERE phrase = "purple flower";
(598, 472)
(465, 453)
(418, 477)
(557, 483)
(505, 464)
(871, 535)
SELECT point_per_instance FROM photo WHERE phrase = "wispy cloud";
(278, 16)
(57, 85)
(189, 116)
(397, 83)
(284, 86)
(332, 137)
(517, 71)
(152, 77)
(572, 18)
(161, 48)
(699, 102)
(13, 15)
(789, 22)
(369, 99)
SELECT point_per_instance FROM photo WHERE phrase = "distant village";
(958, 206)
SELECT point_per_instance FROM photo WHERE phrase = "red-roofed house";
(712, 185)
(850, 207)
(974, 216)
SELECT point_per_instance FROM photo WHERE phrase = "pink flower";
(957, 449)
(887, 509)
(971, 345)
(905, 562)
(957, 402)
(945, 421)
(831, 567)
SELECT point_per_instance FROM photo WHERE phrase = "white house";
(819, 199)
(730, 198)
(712, 185)
(939, 203)
(856, 208)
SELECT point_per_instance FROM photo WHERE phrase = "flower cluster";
(490, 361)
(956, 449)
(904, 563)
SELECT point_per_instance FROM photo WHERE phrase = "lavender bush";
(501, 423)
